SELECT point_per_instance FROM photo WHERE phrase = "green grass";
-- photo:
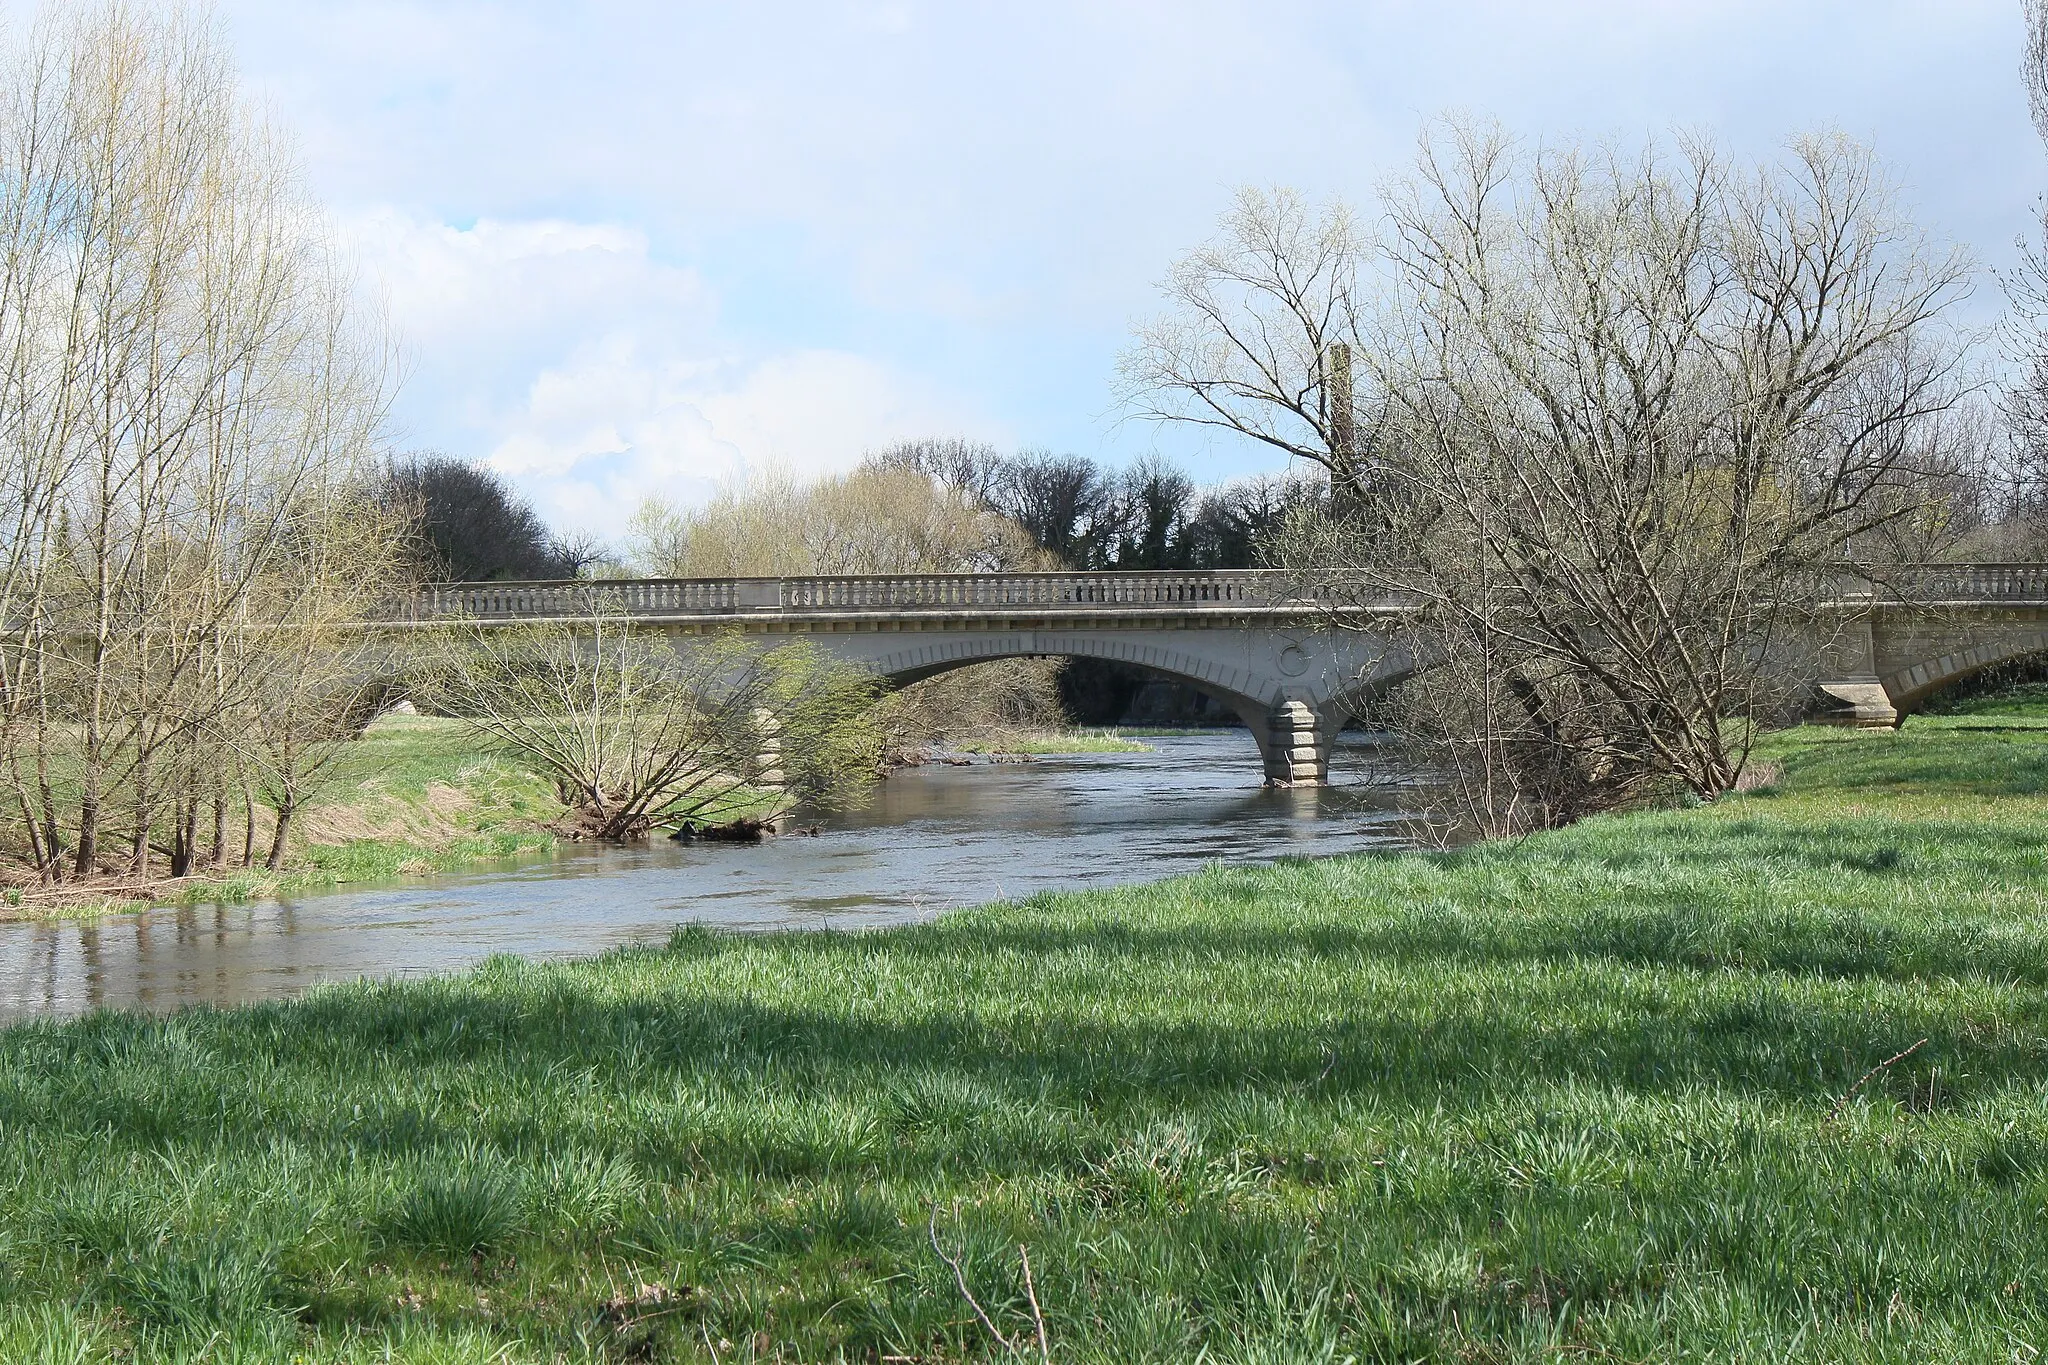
(1575, 1098)
(1080, 740)
(2016, 705)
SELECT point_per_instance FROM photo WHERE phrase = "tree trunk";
(185, 838)
(36, 850)
(138, 860)
(248, 826)
(88, 856)
(219, 852)
(278, 838)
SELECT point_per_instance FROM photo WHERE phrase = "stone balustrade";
(1051, 593)
(1257, 590)
(1969, 584)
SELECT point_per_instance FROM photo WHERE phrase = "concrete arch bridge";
(1294, 668)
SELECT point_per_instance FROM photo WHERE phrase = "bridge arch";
(1909, 686)
(1293, 693)
(1234, 683)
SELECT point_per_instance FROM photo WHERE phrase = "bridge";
(1927, 628)
(1294, 668)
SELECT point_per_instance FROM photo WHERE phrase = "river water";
(932, 838)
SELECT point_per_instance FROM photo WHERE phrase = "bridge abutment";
(1852, 694)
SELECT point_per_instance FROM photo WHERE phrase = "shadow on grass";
(1110, 1018)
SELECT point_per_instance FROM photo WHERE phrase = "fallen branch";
(1007, 1342)
(1037, 1318)
(1864, 1079)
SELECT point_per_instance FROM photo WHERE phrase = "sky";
(638, 247)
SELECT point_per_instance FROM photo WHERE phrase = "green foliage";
(1572, 1097)
(823, 710)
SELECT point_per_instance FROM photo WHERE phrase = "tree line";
(471, 525)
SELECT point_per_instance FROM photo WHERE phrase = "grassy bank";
(1612, 1094)
(413, 797)
(1079, 740)
(417, 795)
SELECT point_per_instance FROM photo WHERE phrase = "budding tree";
(640, 731)
(181, 372)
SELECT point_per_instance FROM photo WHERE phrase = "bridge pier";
(1858, 703)
(1295, 741)
(768, 775)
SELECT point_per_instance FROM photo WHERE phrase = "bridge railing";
(1961, 583)
(1151, 591)
(911, 592)
(1163, 590)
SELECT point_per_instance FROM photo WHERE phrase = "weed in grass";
(104, 1217)
(193, 1289)
(463, 1209)
(583, 1193)
(50, 1333)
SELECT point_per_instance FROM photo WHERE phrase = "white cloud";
(974, 200)
(593, 374)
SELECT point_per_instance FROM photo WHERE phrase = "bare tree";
(1629, 410)
(312, 671)
(641, 731)
(2025, 398)
(974, 467)
(1257, 333)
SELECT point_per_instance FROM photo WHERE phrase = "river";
(932, 838)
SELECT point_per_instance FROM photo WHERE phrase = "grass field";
(1617, 1093)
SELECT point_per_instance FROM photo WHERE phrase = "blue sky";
(636, 247)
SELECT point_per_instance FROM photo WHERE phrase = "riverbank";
(413, 796)
(1762, 1080)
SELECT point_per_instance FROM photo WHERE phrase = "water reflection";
(934, 838)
